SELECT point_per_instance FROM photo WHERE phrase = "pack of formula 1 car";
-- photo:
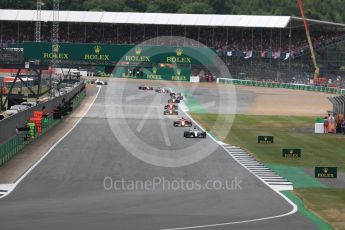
(177, 96)
(162, 90)
(99, 82)
(171, 106)
(170, 112)
(145, 87)
(173, 100)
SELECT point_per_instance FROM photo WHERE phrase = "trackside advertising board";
(265, 139)
(292, 153)
(155, 73)
(107, 53)
(326, 172)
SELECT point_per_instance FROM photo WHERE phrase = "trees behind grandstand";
(316, 9)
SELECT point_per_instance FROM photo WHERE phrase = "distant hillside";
(316, 9)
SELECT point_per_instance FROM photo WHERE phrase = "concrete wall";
(8, 125)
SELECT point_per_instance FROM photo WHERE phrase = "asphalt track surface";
(66, 190)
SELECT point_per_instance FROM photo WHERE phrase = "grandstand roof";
(154, 18)
(149, 18)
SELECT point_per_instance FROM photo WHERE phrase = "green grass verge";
(320, 224)
(288, 132)
(327, 203)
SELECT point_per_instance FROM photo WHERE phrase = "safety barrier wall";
(281, 85)
(8, 125)
(16, 143)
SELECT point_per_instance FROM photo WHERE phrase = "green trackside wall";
(281, 85)
(106, 53)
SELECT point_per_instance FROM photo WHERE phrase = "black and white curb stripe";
(265, 174)
(5, 189)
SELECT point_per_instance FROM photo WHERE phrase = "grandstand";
(253, 47)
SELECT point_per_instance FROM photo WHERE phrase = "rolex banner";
(326, 172)
(106, 53)
(169, 73)
(265, 139)
(154, 73)
(292, 153)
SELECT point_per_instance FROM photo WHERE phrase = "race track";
(125, 136)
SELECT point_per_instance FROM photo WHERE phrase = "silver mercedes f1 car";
(194, 133)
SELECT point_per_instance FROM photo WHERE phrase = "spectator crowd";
(223, 39)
